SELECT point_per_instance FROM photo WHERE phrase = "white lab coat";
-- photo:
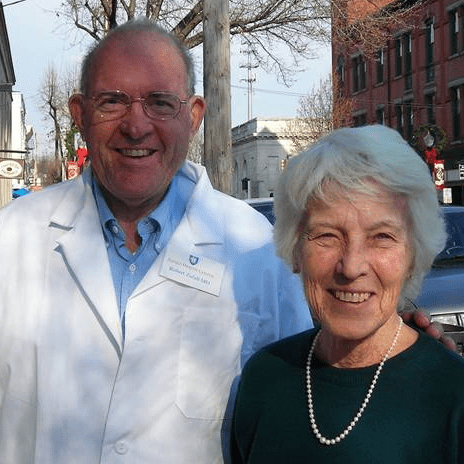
(70, 390)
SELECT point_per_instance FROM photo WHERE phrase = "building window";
(399, 119)
(454, 31)
(408, 121)
(359, 73)
(380, 58)
(341, 74)
(398, 56)
(462, 27)
(456, 111)
(360, 120)
(407, 47)
(429, 43)
(429, 108)
(380, 115)
(403, 59)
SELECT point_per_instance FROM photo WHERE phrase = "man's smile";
(135, 153)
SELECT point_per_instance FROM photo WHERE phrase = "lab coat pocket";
(18, 418)
(209, 361)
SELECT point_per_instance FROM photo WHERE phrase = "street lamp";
(429, 140)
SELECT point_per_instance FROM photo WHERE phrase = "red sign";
(82, 154)
(439, 174)
(73, 169)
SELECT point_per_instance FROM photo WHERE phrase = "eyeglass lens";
(156, 104)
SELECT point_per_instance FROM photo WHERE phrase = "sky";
(39, 37)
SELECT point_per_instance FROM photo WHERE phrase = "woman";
(358, 219)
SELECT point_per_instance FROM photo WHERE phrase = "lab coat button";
(121, 447)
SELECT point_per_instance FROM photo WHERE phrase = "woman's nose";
(353, 262)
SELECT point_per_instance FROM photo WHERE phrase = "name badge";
(193, 270)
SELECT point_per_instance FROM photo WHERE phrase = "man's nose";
(136, 123)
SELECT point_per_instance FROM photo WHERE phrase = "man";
(132, 296)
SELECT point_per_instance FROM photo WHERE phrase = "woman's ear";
(296, 258)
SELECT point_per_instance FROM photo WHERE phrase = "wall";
(259, 148)
(7, 80)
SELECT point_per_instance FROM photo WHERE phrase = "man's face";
(135, 157)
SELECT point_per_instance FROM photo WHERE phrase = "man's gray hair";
(132, 27)
(353, 158)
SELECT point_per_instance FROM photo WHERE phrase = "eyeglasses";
(157, 105)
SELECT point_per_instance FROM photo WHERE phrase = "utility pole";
(216, 82)
(251, 78)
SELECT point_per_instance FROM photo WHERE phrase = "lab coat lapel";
(199, 227)
(83, 248)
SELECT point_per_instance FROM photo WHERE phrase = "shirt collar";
(164, 217)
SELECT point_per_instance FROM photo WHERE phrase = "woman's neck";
(345, 353)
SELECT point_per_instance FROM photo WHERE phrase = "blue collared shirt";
(155, 231)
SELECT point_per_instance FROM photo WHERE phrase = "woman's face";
(354, 254)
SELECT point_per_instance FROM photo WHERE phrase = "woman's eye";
(383, 237)
(326, 238)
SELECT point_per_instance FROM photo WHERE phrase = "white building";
(260, 149)
(18, 132)
(7, 80)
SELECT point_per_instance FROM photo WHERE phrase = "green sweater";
(415, 415)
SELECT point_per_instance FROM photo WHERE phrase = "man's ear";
(197, 111)
(76, 108)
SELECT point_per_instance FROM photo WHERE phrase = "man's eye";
(160, 103)
(110, 102)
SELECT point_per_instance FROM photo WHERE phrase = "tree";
(368, 24)
(262, 24)
(52, 102)
(314, 116)
(48, 170)
(196, 148)
(54, 93)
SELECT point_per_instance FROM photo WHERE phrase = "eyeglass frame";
(142, 100)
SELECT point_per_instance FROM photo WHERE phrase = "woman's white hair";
(353, 158)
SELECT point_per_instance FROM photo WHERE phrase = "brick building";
(414, 83)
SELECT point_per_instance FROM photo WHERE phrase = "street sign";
(461, 171)
(11, 168)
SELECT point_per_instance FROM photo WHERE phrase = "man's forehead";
(125, 54)
(145, 42)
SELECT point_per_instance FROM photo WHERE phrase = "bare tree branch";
(193, 18)
(54, 93)
(265, 23)
(314, 116)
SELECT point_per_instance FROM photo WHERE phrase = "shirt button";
(115, 229)
(132, 267)
(121, 447)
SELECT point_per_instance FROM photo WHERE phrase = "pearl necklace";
(332, 441)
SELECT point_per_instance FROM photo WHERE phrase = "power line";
(12, 3)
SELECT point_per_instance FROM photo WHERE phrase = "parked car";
(19, 192)
(264, 206)
(442, 293)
